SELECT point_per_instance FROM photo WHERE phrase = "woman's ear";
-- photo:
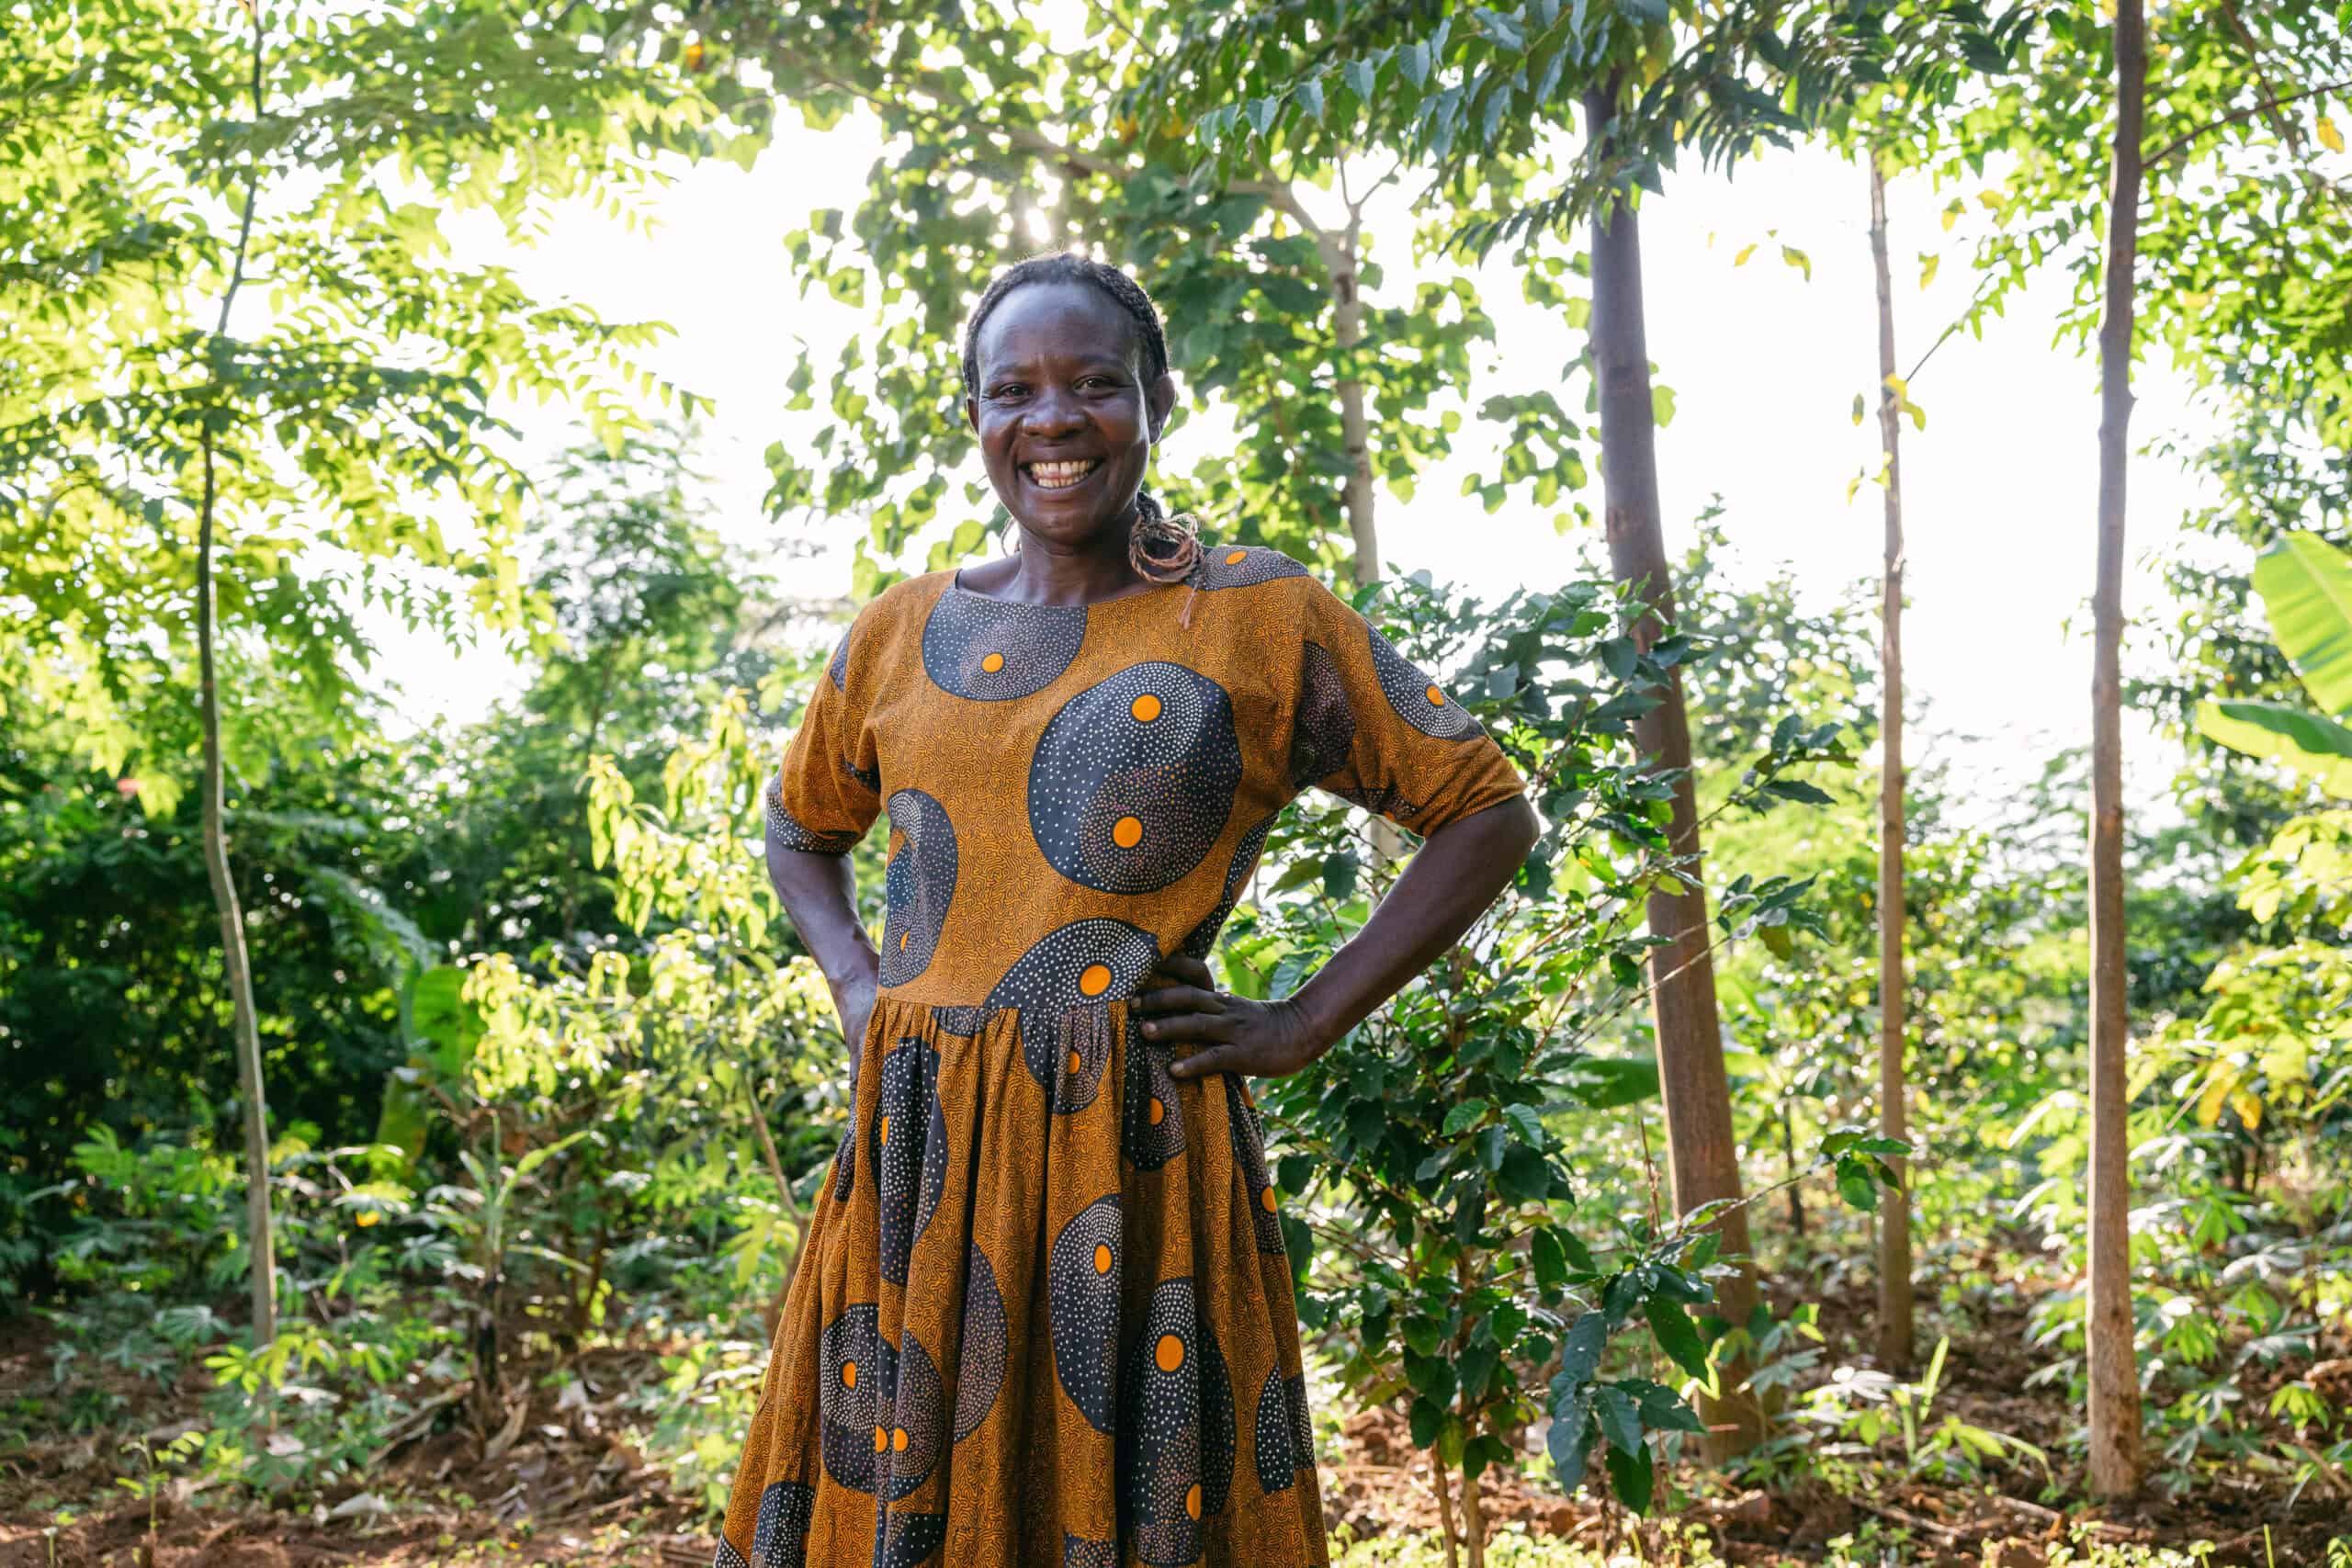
(1159, 397)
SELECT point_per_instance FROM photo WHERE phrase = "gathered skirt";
(1043, 1316)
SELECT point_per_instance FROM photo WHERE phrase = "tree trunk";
(1355, 424)
(1702, 1157)
(1894, 1330)
(1444, 1508)
(1474, 1523)
(236, 963)
(2114, 1372)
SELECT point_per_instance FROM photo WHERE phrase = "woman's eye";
(1010, 390)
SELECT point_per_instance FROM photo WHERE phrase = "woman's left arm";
(1452, 878)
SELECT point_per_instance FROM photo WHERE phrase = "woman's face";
(1065, 420)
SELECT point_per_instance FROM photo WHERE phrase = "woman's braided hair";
(1160, 547)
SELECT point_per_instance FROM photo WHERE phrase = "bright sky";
(1765, 365)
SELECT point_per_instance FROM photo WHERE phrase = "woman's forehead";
(1056, 319)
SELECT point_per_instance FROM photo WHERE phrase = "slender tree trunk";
(1356, 424)
(1894, 1330)
(1702, 1154)
(1474, 1523)
(2114, 1370)
(1444, 1509)
(235, 961)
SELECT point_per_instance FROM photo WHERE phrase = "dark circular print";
(1418, 700)
(1323, 728)
(1152, 1125)
(1133, 780)
(979, 1369)
(1249, 1166)
(1082, 1293)
(991, 651)
(917, 885)
(1086, 962)
(910, 1420)
(1242, 566)
(1176, 1440)
(849, 1378)
(780, 1538)
(907, 1150)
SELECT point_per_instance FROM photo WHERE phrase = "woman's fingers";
(1187, 970)
(1216, 1059)
(1174, 998)
(1190, 1026)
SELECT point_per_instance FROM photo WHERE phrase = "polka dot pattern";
(909, 1419)
(1249, 1167)
(962, 1023)
(727, 1556)
(1242, 566)
(1133, 778)
(1086, 961)
(1079, 1552)
(1277, 1466)
(1152, 1125)
(907, 1541)
(1301, 1428)
(784, 829)
(979, 1370)
(1176, 1437)
(1418, 700)
(918, 884)
(849, 1376)
(781, 1537)
(1202, 940)
(992, 651)
(1082, 1295)
(907, 1150)
(1323, 726)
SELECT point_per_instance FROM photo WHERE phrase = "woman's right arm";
(819, 894)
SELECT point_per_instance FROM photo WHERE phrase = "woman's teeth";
(1061, 476)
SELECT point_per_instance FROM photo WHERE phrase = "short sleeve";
(827, 791)
(1374, 729)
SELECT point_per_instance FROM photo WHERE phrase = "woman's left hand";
(1230, 1033)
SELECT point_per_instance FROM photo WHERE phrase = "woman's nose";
(1052, 413)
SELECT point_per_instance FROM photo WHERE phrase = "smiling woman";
(1027, 1330)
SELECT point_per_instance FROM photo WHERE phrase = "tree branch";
(2267, 106)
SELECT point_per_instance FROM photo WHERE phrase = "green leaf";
(1857, 1183)
(1570, 1439)
(1580, 1351)
(1362, 75)
(1604, 1083)
(1310, 98)
(2319, 749)
(1550, 1259)
(1413, 60)
(1662, 406)
(1467, 1115)
(1621, 1418)
(1677, 1334)
(1630, 1476)
(2306, 587)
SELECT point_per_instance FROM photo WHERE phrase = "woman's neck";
(1044, 572)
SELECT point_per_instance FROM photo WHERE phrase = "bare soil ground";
(556, 1485)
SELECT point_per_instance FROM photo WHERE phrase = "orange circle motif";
(993, 663)
(1102, 1257)
(849, 1374)
(1168, 1352)
(1076, 1063)
(881, 1439)
(883, 1132)
(1094, 979)
(1192, 1500)
(1158, 1111)
(1128, 832)
(1436, 697)
(1145, 707)
(1266, 1199)
(1235, 557)
(899, 1440)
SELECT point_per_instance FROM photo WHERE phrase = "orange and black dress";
(1044, 1316)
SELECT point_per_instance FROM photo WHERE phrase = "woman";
(1044, 1316)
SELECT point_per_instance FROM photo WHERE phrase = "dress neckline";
(956, 585)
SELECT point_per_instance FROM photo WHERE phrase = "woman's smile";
(1064, 474)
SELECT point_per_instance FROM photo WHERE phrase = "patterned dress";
(1044, 1316)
